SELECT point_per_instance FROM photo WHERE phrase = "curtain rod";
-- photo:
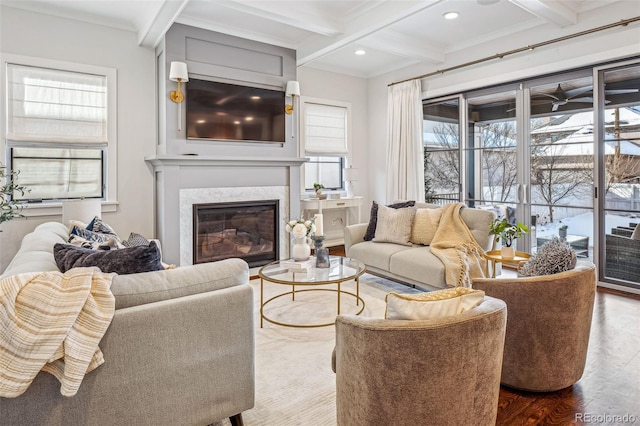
(623, 23)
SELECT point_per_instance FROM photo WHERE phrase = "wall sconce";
(293, 90)
(350, 175)
(178, 72)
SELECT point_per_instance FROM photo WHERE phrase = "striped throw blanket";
(52, 322)
(454, 244)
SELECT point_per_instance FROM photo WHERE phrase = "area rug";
(294, 381)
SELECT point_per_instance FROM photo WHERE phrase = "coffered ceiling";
(326, 33)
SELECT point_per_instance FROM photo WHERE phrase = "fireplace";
(246, 229)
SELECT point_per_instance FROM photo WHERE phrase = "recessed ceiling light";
(451, 15)
(236, 122)
(255, 98)
(201, 121)
(360, 52)
(248, 118)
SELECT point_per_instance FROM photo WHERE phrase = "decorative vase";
(301, 249)
(508, 252)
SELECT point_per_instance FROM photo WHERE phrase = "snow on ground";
(583, 225)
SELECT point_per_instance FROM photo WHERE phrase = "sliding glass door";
(559, 153)
(619, 154)
(561, 161)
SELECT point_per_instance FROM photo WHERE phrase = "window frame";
(110, 182)
(345, 157)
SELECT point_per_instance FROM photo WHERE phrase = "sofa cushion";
(425, 223)
(432, 305)
(371, 229)
(394, 225)
(418, 264)
(478, 223)
(376, 254)
(131, 260)
(150, 287)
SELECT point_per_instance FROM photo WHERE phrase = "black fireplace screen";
(247, 229)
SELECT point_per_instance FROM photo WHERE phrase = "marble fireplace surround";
(182, 180)
(189, 197)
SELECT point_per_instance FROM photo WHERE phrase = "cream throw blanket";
(53, 322)
(454, 244)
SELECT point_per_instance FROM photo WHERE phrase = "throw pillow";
(394, 225)
(110, 244)
(553, 257)
(100, 226)
(90, 235)
(424, 225)
(135, 240)
(131, 260)
(371, 229)
(636, 233)
(432, 305)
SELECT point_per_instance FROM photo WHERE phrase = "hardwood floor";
(610, 386)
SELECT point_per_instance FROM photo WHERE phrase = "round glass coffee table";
(340, 270)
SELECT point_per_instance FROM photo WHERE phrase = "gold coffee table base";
(341, 270)
(359, 300)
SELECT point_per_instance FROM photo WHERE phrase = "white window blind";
(49, 105)
(325, 128)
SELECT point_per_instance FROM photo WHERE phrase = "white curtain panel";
(405, 158)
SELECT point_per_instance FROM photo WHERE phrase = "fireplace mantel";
(187, 160)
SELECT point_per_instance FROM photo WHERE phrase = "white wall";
(43, 36)
(596, 48)
(339, 87)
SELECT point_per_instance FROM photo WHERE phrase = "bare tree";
(499, 159)
(619, 167)
(556, 173)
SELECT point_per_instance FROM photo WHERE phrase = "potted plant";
(318, 188)
(562, 231)
(507, 233)
(9, 208)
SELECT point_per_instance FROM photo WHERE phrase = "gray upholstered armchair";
(548, 328)
(440, 372)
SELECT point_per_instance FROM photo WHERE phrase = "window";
(325, 141)
(60, 128)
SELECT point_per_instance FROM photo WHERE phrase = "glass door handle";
(524, 193)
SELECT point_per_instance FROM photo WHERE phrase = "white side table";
(351, 213)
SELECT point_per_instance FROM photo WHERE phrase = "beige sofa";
(415, 265)
(179, 350)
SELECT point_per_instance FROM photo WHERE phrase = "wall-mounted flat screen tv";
(221, 111)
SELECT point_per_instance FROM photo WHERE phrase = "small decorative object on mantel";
(562, 232)
(318, 188)
(507, 233)
(300, 230)
(9, 207)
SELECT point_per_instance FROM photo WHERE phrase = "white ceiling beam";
(167, 14)
(554, 11)
(402, 45)
(309, 22)
(387, 13)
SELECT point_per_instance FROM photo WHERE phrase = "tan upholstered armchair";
(439, 372)
(548, 328)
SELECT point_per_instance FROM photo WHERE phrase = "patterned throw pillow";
(371, 229)
(135, 240)
(78, 241)
(100, 226)
(90, 235)
(433, 304)
(131, 260)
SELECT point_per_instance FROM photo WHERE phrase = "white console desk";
(351, 214)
